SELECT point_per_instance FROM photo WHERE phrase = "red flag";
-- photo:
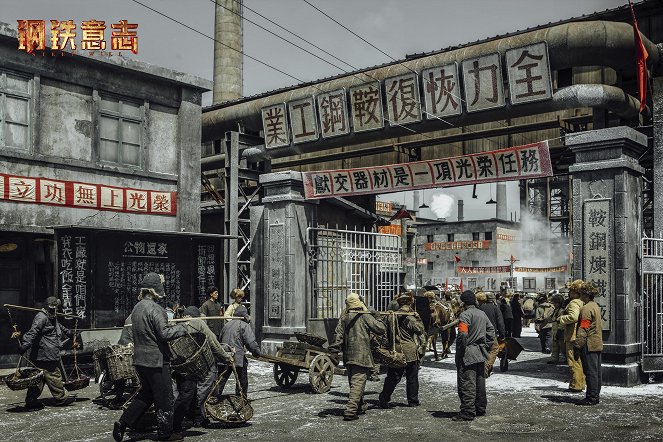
(641, 56)
(401, 214)
(461, 284)
(456, 258)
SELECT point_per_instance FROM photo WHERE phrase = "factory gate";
(652, 304)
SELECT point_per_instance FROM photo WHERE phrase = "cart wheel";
(285, 375)
(504, 364)
(321, 373)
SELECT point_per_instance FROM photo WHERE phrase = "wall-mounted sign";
(494, 269)
(382, 206)
(457, 245)
(400, 101)
(558, 269)
(86, 195)
(597, 265)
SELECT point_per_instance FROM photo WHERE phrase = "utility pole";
(512, 260)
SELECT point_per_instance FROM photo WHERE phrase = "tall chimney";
(460, 211)
(501, 201)
(227, 61)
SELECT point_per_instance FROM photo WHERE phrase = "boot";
(119, 428)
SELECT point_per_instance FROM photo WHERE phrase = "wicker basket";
(308, 338)
(120, 362)
(389, 358)
(229, 409)
(77, 384)
(24, 377)
(191, 357)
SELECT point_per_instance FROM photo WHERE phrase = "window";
(430, 238)
(475, 263)
(15, 95)
(529, 283)
(120, 127)
(429, 266)
(488, 236)
(450, 237)
(551, 284)
(475, 236)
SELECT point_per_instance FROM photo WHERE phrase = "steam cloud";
(442, 205)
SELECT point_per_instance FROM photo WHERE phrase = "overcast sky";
(397, 27)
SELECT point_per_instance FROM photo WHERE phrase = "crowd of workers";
(571, 327)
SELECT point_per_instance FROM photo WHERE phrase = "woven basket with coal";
(192, 356)
(308, 338)
(24, 377)
(229, 409)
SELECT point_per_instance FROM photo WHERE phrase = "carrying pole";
(32, 309)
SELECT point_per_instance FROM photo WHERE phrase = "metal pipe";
(590, 43)
(599, 96)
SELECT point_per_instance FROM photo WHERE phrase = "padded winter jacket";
(352, 337)
(44, 338)
(150, 330)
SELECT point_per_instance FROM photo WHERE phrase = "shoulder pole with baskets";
(76, 380)
(228, 409)
(196, 363)
(23, 377)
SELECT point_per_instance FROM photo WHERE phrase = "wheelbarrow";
(510, 348)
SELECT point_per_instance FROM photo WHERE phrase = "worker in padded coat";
(352, 337)
(589, 343)
(150, 330)
(408, 332)
(44, 340)
(475, 338)
(495, 316)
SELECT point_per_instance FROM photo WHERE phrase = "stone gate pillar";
(279, 268)
(607, 229)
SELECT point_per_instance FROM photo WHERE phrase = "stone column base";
(621, 375)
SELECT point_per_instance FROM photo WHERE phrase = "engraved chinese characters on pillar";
(483, 83)
(275, 126)
(303, 124)
(276, 271)
(366, 107)
(597, 253)
(403, 105)
(333, 114)
(442, 91)
(529, 74)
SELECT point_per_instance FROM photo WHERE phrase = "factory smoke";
(442, 205)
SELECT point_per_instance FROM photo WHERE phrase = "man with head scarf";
(237, 295)
(408, 332)
(542, 323)
(44, 340)
(186, 386)
(238, 334)
(475, 338)
(150, 329)
(352, 337)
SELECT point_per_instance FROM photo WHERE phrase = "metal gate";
(345, 261)
(652, 303)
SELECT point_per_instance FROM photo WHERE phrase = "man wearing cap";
(212, 307)
(150, 330)
(352, 337)
(475, 338)
(237, 334)
(490, 308)
(589, 343)
(44, 340)
(186, 386)
(406, 329)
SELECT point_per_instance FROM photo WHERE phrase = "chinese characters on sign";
(597, 250)
(457, 245)
(277, 271)
(558, 269)
(74, 266)
(32, 36)
(507, 269)
(86, 196)
(392, 229)
(522, 162)
(527, 69)
(206, 267)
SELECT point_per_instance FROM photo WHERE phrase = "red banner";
(457, 245)
(514, 163)
(495, 269)
(86, 195)
(558, 269)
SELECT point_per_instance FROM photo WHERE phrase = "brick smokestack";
(501, 201)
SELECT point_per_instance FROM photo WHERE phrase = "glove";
(256, 354)
(230, 361)
(16, 334)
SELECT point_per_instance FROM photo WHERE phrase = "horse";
(441, 313)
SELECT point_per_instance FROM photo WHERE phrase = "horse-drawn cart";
(309, 356)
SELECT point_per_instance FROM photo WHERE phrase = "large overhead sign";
(515, 163)
(399, 100)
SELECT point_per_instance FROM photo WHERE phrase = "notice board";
(100, 270)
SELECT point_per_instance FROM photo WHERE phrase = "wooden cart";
(294, 357)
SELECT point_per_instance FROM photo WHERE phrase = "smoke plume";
(442, 205)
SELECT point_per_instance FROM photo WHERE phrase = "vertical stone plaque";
(276, 271)
(597, 267)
